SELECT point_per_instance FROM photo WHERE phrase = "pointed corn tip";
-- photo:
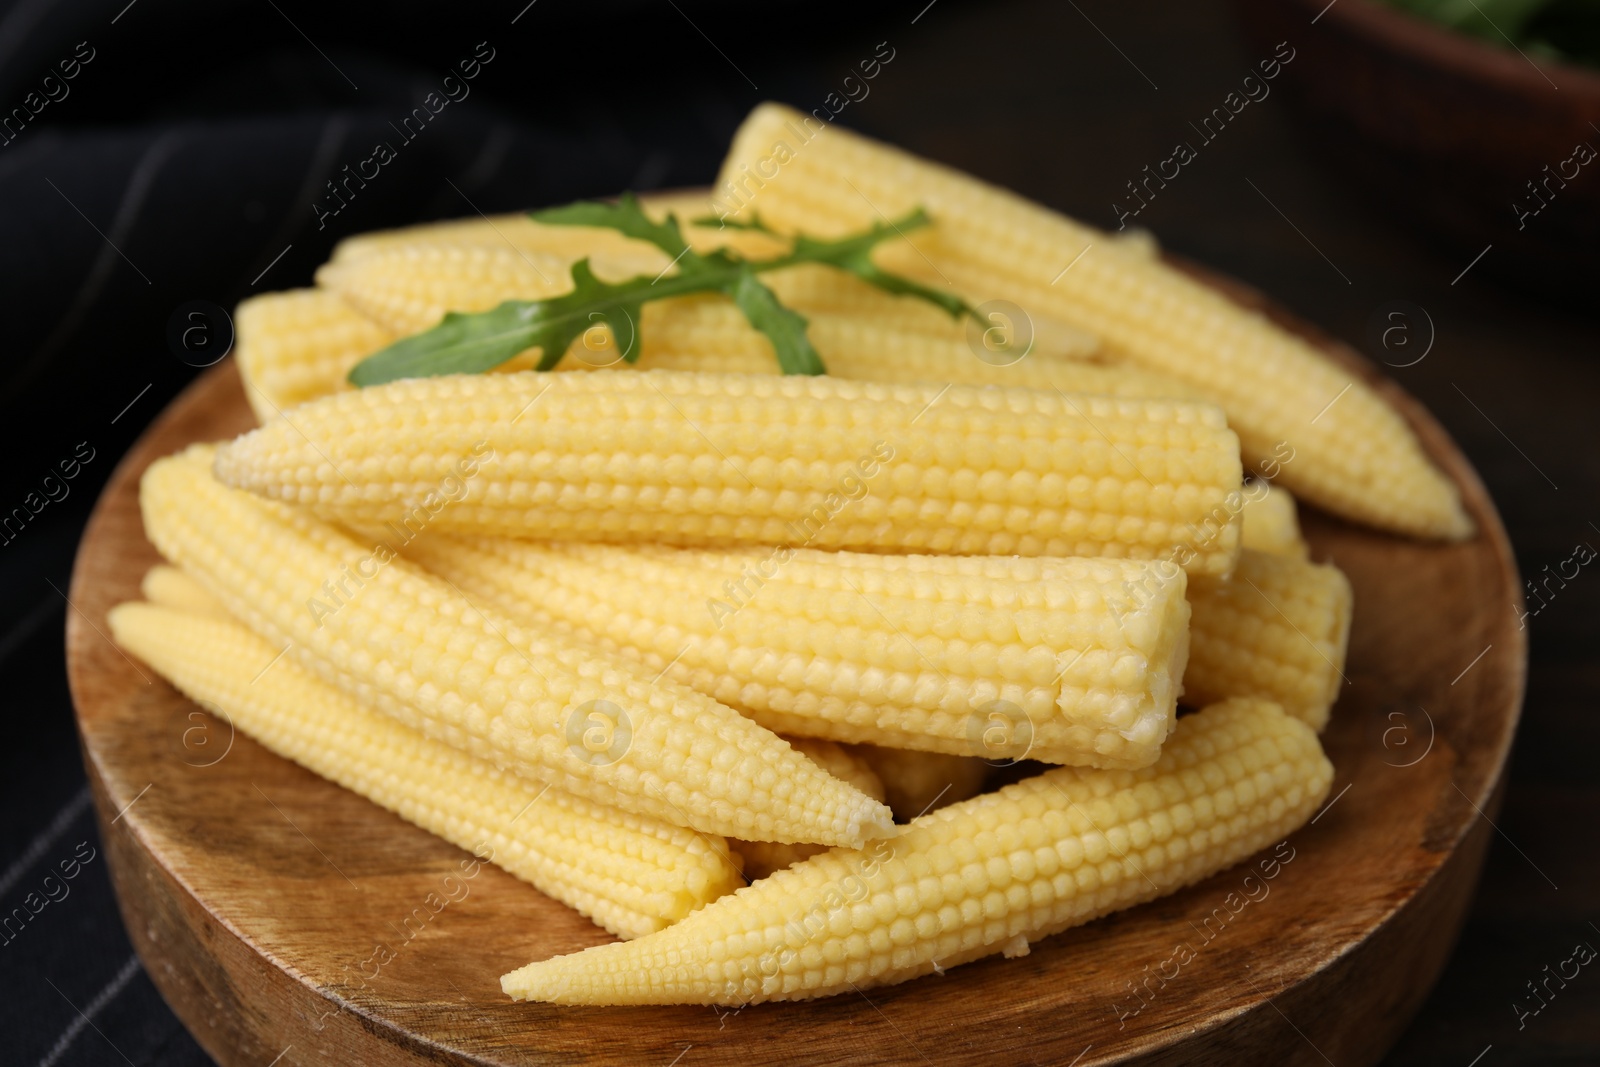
(879, 824)
(330, 274)
(797, 919)
(1444, 519)
(519, 984)
(117, 619)
(1461, 527)
(544, 980)
(1438, 510)
(224, 462)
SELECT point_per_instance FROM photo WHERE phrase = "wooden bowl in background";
(1444, 132)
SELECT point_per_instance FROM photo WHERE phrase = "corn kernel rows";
(764, 459)
(1278, 629)
(405, 643)
(1354, 454)
(297, 346)
(991, 874)
(761, 858)
(1073, 660)
(294, 346)
(1269, 522)
(630, 874)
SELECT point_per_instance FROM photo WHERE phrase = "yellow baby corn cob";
(290, 355)
(711, 334)
(1352, 453)
(841, 762)
(298, 345)
(518, 231)
(630, 874)
(536, 704)
(1138, 241)
(761, 858)
(1065, 660)
(474, 230)
(406, 289)
(407, 280)
(170, 587)
(815, 290)
(766, 459)
(1269, 522)
(515, 233)
(1277, 629)
(915, 783)
(862, 350)
(988, 875)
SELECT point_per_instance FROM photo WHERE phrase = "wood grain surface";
(282, 916)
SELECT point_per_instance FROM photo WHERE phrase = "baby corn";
(170, 587)
(521, 233)
(988, 875)
(405, 288)
(298, 345)
(710, 334)
(391, 273)
(1063, 660)
(289, 356)
(1277, 629)
(408, 288)
(708, 459)
(537, 704)
(841, 762)
(630, 874)
(1269, 522)
(1352, 452)
(915, 783)
(761, 858)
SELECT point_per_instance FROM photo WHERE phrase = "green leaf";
(1498, 21)
(462, 343)
(786, 329)
(473, 343)
(753, 223)
(862, 267)
(559, 321)
(855, 256)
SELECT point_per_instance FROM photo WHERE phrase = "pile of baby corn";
(724, 659)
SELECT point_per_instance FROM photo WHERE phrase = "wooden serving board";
(283, 917)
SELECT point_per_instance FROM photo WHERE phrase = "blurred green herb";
(1553, 29)
(477, 342)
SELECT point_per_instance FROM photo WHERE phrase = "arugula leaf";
(858, 261)
(472, 343)
(460, 344)
(723, 222)
(786, 329)
(862, 267)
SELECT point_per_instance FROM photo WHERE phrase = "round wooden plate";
(283, 917)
